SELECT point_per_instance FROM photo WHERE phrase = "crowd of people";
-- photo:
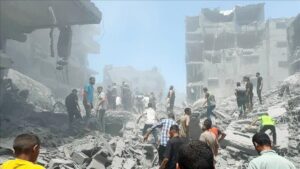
(176, 149)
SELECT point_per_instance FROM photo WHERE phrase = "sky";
(147, 34)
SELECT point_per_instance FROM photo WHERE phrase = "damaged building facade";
(224, 46)
(40, 40)
(294, 45)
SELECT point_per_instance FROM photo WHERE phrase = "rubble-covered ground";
(122, 147)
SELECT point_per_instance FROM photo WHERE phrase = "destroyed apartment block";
(224, 46)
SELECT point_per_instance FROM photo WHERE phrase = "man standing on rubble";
(26, 150)
(249, 92)
(152, 100)
(72, 106)
(241, 98)
(101, 107)
(151, 119)
(267, 123)
(173, 145)
(114, 95)
(210, 102)
(165, 125)
(184, 122)
(259, 86)
(268, 158)
(171, 99)
(88, 97)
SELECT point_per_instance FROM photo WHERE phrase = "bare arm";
(164, 163)
(254, 122)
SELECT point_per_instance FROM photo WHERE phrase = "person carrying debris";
(151, 119)
(165, 125)
(185, 124)
(173, 145)
(267, 123)
(88, 97)
(101, 107)
(259, 86)
(171, 99)
(195, 155)
(210, 102)
(268, 158)
(26, 149)
(241, 98)
(72, 106)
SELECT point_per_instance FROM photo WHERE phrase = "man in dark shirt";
(249, 92)
(241, 98)
(173, 145)
(72, 106)
(259, 86)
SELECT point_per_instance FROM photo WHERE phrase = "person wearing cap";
(26, 149)
(268, 158)
(72, 106)
(267, 123)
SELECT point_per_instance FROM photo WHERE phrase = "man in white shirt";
(151, 119)
(101, 107)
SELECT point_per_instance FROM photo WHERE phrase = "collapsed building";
(224, 46)
(294, 45)
(42, 41)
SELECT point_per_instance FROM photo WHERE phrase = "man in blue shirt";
(268, 158)
(88, 97)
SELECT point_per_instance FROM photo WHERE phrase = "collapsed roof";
(18, 17)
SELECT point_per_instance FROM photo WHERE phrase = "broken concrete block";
(79, 158)
(117, 162)
(96, 165)
(119, 148)
(129, 164)
(54, 163)
(103, 158)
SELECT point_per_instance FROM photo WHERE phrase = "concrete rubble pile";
(99, 151)
(237, 148)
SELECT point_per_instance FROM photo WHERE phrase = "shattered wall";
(33, 58)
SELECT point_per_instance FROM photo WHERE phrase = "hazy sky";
(145, 34)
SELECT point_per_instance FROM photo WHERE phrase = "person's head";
(261, 141)
(205, 90)
(27, 147)
(171, 116)
(92, 80)
(206, 124)
(238, 84)
(150, 105)
(171, 87)
(187, 111)
(195, 155)
(74, 91)
(99, 89)
(257, 74)
(174, 130)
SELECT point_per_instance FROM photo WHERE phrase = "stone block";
(79, 158)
